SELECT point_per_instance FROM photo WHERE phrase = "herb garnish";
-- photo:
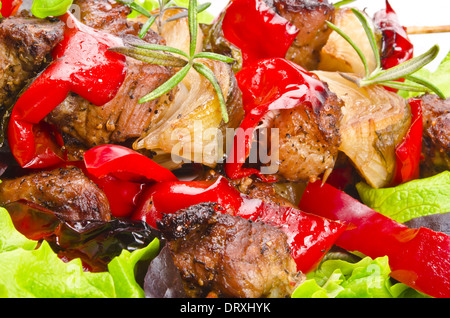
(158, 16)
(157, 54)
(387, 77)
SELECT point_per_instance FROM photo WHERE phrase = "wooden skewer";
(428, 29)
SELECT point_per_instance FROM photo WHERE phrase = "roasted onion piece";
(191, 128)
(339, 55)
(374, 121)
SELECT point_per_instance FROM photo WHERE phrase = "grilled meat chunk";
(229, 256)
(309, 140)
(123, 117)
(309, 16)
(111, 16)
(267, 192)
(118, 120)
(66, 191)
(262, 191)
(436, 134)
(25, 46)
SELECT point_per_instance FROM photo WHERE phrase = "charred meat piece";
(123, 117)
(120, 119)
(111, 16)
(309, 140)
(262, 191)
(229, 256)
(66, 191)
(436, 134)
(25, 47)
(309, 17)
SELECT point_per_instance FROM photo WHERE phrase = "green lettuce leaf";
(440, 78)
(10, 238)
(30, 270)
(40, 273)
(410, 200)
(367, 278)
(50, 8)
(122, 270)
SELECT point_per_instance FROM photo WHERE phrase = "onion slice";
(374, 121)
(190, 128)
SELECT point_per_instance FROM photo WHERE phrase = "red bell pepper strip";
(342, 177)
(257, 30)
(408, 152)
(81, 64)
(309, 236)
(269, 85)
(419, 258)
(396, 46)
(10, 7)
(123, 196)
(170, 197)
(124, 163)
(123, 174)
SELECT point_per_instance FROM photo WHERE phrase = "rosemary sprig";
(173, 57)
(388, 77)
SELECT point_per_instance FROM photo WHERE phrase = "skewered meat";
(25, 45)
(123, 117)
(262, 191)
(66, 191)
(228, 255)
(436, 134)
(111, 17)
(309, 140)
(309, 17)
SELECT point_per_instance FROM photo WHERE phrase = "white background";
(410, 13)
